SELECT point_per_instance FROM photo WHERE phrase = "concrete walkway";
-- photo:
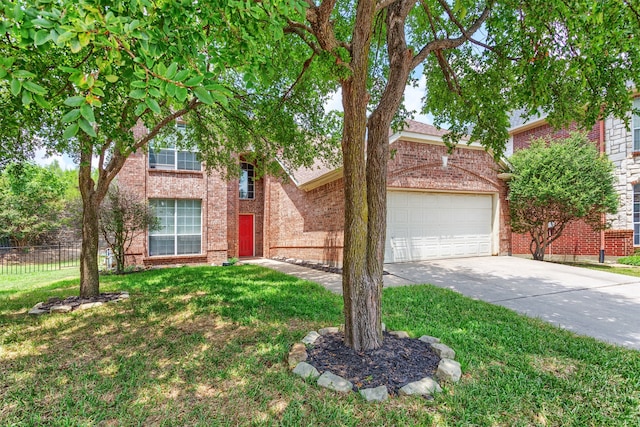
(603, 305)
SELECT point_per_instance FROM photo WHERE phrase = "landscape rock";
(449, 371)
(426, 386)
(378, 394)
(429, 339)
(329, 330)
(305, 370)
(60, 309)
(399, 334)
(124, 295)
(88, 305)
(444, 351)
(334, 382)
(311, 337)
(297, 354)
(37, 311)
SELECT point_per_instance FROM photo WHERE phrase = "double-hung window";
(180, 230)
(171, 158)
(247, 176)
(636, 125)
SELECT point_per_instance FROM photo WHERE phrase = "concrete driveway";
(589, 302)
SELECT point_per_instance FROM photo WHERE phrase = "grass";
(207, 346)
(626, 270)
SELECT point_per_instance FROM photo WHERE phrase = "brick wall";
(210, 189)
(309, 225)
(306, 225)
(523, 139)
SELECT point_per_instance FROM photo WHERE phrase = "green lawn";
(207, 346)
(626, 270)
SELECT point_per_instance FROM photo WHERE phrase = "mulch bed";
(75, 302)
(398, 362)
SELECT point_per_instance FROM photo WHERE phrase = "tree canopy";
(102, 79)
(31, 202)
(557, 182)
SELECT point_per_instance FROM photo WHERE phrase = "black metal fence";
(27, 259)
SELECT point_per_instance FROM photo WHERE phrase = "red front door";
(245, 235)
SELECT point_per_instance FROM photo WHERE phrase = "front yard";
(207, 346)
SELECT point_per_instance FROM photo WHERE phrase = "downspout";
(603, 218)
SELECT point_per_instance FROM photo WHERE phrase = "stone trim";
(448, 369)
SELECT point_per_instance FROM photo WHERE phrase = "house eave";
(526, 126)
(322, 180)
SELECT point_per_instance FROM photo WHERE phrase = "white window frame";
(175, 234)
(180, 127)
(251, 182)
(635, 125)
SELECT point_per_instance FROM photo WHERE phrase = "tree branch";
(383, 4)
(451, 43)
(322, 27)
(305, 66)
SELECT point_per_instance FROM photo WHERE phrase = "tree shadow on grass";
(191, 346)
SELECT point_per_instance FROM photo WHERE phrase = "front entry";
(245, 235)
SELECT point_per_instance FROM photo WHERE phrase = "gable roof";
(320, 173)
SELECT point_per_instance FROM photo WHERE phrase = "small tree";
(556, 183)
(31, 201)
(123, 216)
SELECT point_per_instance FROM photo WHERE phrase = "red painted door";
(245, 235)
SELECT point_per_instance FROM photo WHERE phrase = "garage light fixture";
(445, 161)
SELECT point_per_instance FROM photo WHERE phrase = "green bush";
(630, 260)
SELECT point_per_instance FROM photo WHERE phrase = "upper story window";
(636, 125)
(246, 181)
(170, 158)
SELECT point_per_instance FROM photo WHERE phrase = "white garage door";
(423, 226)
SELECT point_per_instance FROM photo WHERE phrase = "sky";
(413, 102)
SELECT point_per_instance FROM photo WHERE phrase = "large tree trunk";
(361, 291)
(89, 276)
(365, 181)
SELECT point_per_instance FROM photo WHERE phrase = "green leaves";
(87, 112)
(71, 131)
(87, 128)
(74, 101)
(71, 116)
(34, 87)
(203, 95)
(16, 87)
(560, 181)
(137, 94)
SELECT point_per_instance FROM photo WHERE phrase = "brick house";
(622, 146)
(438, 205)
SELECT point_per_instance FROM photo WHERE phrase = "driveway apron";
(602, 305)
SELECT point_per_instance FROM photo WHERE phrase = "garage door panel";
(437, 225)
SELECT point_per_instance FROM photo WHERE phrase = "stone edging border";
(448, 369)
(60, 306)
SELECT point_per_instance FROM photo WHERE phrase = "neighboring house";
(622, 146)
(438, 205)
